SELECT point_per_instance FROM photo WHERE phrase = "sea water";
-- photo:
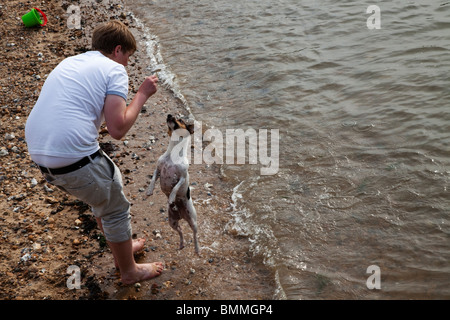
(359, 92)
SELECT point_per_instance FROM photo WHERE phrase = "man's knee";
(117, 227)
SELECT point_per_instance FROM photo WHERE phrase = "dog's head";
(175, 124)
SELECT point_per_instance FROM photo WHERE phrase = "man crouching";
(62, 131)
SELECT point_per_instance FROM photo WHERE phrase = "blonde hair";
(111, 34)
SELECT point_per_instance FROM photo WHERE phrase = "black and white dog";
(172, 170)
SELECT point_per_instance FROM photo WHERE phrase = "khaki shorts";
(99, 184)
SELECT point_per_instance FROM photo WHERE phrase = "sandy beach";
(44, 231)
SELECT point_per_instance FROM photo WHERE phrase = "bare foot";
(144, 271)
(138, 245)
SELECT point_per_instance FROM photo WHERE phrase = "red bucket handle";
(43, 15)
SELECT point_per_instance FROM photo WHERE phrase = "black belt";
(70, 168)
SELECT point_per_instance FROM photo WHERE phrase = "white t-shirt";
(63, 125)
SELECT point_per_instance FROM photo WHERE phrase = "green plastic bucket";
(33, 18)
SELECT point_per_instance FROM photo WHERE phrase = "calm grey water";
(364, 124)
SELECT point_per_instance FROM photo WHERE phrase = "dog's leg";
(193, 225)
(192, 220)
(153, 182)
(175, 189)
(173, 221)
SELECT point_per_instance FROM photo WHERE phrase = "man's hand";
(148, 87)
(120, 118)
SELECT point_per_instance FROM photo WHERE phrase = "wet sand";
(44, 231)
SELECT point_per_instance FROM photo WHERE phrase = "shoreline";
(43, 231)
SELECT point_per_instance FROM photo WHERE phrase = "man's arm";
(120, 118)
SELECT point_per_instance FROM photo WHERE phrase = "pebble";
(10, 136)
(3, 152)
(47, 189)
(25, 257)
(135, 156)
(51, 200)
(18, 197)
(34, 182)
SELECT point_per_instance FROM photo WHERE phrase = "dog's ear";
(190, 128)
